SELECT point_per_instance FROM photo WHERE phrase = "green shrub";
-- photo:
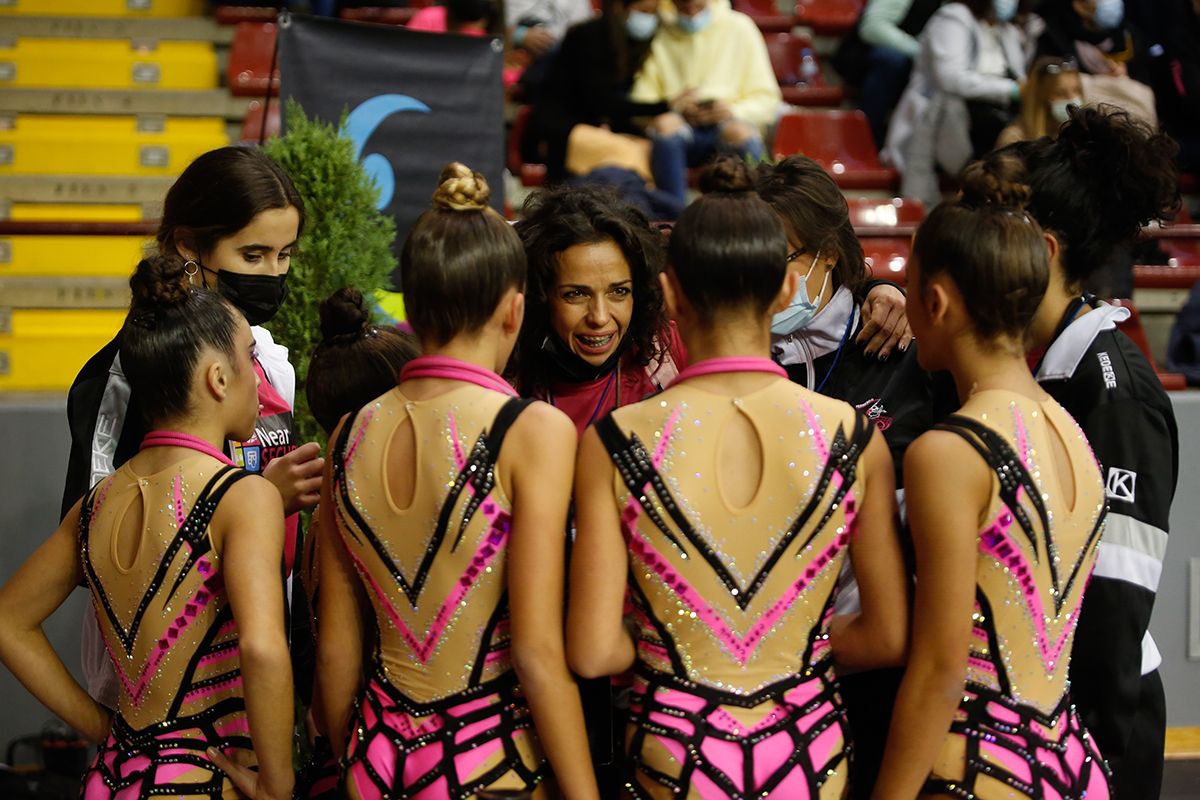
(346, 241)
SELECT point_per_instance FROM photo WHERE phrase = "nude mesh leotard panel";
(442, 716)
(1015, 734)
(734, 694)
(170, 633)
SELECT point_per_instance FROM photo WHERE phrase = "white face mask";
(1004, 10)
(1108, 14)
(641, 26)
(801, 310)
(1060, 109)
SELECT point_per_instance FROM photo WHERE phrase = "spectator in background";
(877, 56)
(710, 64)
(537, 26)
(589, 80)
(1089, 31)
(470, 17)
(965, 84)
(1053, 87)
(1172, 31)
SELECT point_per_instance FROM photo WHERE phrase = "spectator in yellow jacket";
(710, 64)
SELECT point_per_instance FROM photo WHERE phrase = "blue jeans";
(885, 80)
(670, 156)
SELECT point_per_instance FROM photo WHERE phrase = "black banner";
(416, 102)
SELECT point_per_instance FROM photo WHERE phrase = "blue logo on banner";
(253, 456)
(362, 122)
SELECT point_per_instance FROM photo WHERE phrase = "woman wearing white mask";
(965, 82)
(1090, 31)
(1053, 87)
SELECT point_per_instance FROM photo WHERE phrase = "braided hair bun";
(159, 283)
(344, 317)
(727, 175)
(998, 181)
(461, 189)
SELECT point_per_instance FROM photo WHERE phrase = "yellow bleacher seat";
(42, 350)
(25, 256)
(80, 145)
(75, 212)
(107, 64)
(104, 8)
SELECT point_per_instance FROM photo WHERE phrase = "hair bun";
(727, 175)
(344, 316)
(461, 189)
(159, 283)
(998, 180)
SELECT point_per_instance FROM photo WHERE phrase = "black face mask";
(257, 296)
(568, 367)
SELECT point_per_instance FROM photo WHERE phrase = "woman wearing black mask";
(231, 221)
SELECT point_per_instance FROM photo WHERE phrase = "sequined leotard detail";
(734, 689)
(442, 716)
(1015, 734)
(170, 633)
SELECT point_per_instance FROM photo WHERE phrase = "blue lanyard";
(837, 355)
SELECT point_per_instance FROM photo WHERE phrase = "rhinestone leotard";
(734, 693)
(170, 633)
(1015, 734)
(442, 716)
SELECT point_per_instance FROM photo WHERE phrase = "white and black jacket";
(1100, 376)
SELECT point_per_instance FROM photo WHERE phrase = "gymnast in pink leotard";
(181, 552)
(713, 520)
(1006, 506)
(443, 519)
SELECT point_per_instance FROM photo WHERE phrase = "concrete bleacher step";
(157, 29)
(38, 144)
(55, 63)
(122, 102)
(142, 191)
(102, 8)
(43, 349)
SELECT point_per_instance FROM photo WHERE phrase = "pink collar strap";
(455, 369)
(716, 366)
(177, 439)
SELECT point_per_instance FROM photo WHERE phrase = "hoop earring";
(193, 272)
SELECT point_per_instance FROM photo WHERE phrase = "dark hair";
(628, 55)
(729, 249)
(556, 220)
(462, 12)
(815, 209)
(355, 361)
(459, 259)
(981, 9)
(990, 247)
(219, 194)
(1096, 185)
(168, 326)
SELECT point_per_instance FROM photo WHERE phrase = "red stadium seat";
(766, 15)
(232, 15)
(887, 257)
(384, 15)
(250, 58)
(1159, 277)
(1132, 327)
(787, 52)
(256, 116)
(841, 142)
(829, 17)
(529, 174)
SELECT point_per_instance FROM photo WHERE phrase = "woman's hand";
(244, 779)
(885, 325)
(297, 476)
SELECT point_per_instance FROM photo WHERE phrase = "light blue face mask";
(1108, 14)
(1004, 10)
(1060, 110)
(696, 23)
(801, 310)
(641, 26)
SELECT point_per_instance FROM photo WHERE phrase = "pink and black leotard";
(442, 715)
(169, 631)
(1016, 734)
(734, 690)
